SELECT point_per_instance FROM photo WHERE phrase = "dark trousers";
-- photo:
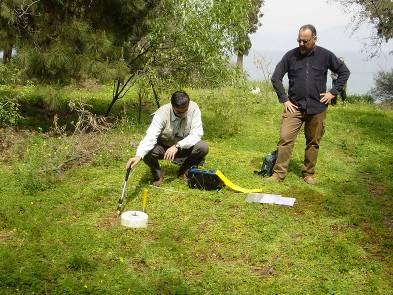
(186, 157)
(314, 129)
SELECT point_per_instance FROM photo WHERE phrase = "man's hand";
(290, 107)
(132, 162)
(326, 97)
(170, 153)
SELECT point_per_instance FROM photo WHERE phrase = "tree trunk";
(110, 107)
(115, 96)
(139, 107)
(7, 54)
(239, 61)
(156, 97)
(119, 90)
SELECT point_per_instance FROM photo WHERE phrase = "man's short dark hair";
(309, 27)
(180, 99)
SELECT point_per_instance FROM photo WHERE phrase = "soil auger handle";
(128, 171)
(119, 206)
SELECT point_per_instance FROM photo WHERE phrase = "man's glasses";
(180, 112)
(304, 41)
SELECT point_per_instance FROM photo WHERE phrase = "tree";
(58, 41)
(379, 13)
(7, 32)
(243, 42)
(175, 43)
(383, 90)
(190, 44)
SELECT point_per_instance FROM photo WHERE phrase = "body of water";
(362, 68)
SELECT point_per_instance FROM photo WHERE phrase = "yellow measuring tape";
(235, 187)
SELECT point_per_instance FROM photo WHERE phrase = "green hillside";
(59, 233)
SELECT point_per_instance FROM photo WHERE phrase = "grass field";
(59, 233)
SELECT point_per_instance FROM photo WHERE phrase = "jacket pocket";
(318, 72)
(296, 70)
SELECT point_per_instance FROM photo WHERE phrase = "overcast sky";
(278, 34)
(282, 19)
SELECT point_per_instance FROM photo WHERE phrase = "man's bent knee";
(201, 148)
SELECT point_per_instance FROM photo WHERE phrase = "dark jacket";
(307, 76)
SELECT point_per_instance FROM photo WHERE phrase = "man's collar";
(312, 51)
(173, 115)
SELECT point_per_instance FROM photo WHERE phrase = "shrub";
(9, 111)
(360, 99)
(9, 74)
(221, 119)
(383, 90)
(45, 157)
(38, 168)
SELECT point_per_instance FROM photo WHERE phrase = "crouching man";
(175, 135)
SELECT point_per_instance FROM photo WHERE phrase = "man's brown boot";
(184, 176)
(159, 181)
(274, 178)
(310, 179)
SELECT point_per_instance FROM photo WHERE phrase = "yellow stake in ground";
(144, 199)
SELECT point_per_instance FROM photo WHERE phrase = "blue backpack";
(203, 179)
(267, 165)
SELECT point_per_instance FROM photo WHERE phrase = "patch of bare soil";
(375, 188)
(378, 243)
(109, 221)
(263, 271)
(8, 139)
(5, 235)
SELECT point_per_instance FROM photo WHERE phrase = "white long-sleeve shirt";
(170, 129)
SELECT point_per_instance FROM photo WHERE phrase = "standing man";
(306, 101)
(174, 134)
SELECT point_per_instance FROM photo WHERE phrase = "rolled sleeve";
(150, 139)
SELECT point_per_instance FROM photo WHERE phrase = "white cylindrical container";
(134, 219)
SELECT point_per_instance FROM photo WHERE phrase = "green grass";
(64, 237)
